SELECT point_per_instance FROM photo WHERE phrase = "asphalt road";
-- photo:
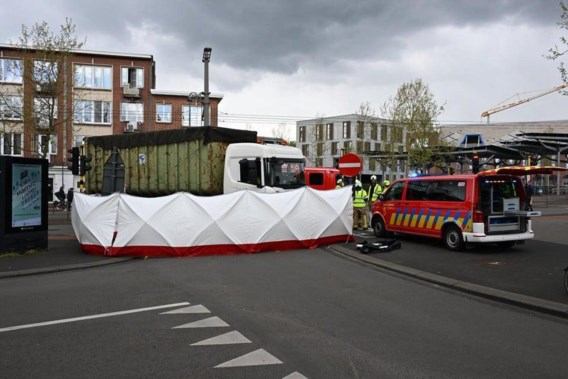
(535, 268)
(306, 313)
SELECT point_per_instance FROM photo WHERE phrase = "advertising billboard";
(23, 208)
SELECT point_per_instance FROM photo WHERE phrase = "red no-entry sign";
(350, 164)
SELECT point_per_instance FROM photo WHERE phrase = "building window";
(384, 131)
(132, 112)
(334, 148)
(11, 108)
(302, 134)
(374, 131)
(45, 110)
(11, 71)
(192, 115)
(360, 148)
(97, 77)
(319, 162)
(132, 77)
(319, 132)
(367, 146)
(164, 112)
(347, 146)
(305, 150)
(45, 72)
(44, 140)
(93, 112)
(12, 143)
(360, 129)
(329, 131)
(346, 129)
(372, 164)
(319, 149)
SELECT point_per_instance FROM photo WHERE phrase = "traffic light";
(74, 159)
(84, 166)
(475, 164)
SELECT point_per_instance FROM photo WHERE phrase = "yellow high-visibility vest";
(359, 200)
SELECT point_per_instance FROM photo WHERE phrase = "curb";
(48, 270)
(527, 302)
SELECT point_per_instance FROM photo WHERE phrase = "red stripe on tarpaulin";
(204, 250)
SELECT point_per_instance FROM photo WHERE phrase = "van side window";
(394, 192)
(446, 190)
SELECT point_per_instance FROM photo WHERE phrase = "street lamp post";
(205, 60)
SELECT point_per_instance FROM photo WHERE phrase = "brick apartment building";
(98, 93)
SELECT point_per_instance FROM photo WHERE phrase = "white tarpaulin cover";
(186, 225)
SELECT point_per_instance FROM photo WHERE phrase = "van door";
(391, 206)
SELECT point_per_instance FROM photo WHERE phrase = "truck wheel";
(453, 238)
(379, 227)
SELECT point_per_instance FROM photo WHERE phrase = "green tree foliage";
(558, 52)
(413, 112)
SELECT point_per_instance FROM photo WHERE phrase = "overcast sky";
(285, 60)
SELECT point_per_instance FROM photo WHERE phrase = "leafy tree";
(46, 69)
(412, 113)
(557, 53)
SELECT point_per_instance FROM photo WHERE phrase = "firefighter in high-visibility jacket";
(375, 190)
(360, 199)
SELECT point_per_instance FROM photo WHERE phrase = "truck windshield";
(284, 173)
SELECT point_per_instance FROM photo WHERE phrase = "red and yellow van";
(488, 207)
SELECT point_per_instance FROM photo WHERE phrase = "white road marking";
(66, 320)
(256, 358)
(192, 309)
(230, 338)
(211, 322)
(295, 375)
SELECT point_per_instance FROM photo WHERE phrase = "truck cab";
(263, 168)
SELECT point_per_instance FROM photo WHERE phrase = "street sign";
(350, 164)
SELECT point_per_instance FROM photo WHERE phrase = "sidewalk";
(64, 253)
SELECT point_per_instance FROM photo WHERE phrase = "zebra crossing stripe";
(193, 309)
(230, 338)
(258, 357)
(211, 322)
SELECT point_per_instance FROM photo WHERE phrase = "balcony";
(132, 92)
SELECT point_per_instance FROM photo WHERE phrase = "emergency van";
(488, 207)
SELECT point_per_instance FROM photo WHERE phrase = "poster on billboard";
(26, 195)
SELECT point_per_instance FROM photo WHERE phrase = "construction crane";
(502, 106)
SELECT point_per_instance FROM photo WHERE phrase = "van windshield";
(284, 173)
(494, 190)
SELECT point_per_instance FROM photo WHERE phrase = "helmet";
(358, 183)
(386, 183)
(373, 177)
(339, 181)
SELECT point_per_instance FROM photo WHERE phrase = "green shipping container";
(165, 162)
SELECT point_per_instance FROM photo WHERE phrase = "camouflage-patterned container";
(165, 162)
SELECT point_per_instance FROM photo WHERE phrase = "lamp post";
(205, 60)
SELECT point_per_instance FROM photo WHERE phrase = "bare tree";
(557, 53)
(44, 103)
(412, 113)
(315, 141)
(281, 132)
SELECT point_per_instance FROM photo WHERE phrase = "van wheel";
(453, 238)
(379, 227)
(506, 244)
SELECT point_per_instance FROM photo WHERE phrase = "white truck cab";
(263, 168)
